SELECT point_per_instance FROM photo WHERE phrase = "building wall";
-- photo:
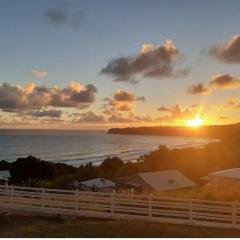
(4, 182)
(136, 180)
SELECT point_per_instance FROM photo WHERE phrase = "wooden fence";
(120, 206)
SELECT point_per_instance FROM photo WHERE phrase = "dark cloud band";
(16, 98)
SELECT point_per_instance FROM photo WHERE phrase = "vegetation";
(210, 191)
(110, 167)
(16, 226)
(195, 163)
(219, 131)
(32, 171)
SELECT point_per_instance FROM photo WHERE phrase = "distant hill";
(231, 131)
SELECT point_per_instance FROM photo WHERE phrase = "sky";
(100, 64)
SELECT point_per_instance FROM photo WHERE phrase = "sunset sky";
(99, 64)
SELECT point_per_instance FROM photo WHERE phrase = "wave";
(124, 155)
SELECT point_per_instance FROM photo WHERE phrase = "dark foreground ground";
(30, 226)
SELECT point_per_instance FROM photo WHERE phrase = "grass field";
(29, 226)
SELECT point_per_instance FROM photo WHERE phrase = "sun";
(197, 122)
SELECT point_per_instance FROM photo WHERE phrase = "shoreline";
(127, 155)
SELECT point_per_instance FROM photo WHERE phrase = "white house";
(223, 185)
(228, 175)
(98, 185)
(4, 177)
(158, 181)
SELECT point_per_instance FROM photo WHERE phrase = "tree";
(110, 166)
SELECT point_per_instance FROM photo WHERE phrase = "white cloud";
(38, 73)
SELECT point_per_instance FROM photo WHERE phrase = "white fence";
(110, 205)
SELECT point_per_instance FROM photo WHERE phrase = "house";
(98, 185)
(223, 185)
(156, 181)
(228, 174)
(4, 177)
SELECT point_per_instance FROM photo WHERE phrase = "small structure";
(223, 185)
(224, 178)
(98, 185)
(4, 177)
(156, 181)
(228, 174)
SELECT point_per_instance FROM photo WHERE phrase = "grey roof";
(166, 180)
(99, 182)
(233, 173)
(5, 175)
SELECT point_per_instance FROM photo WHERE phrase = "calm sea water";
(79, 147)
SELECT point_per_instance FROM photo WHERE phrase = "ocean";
(81, 147)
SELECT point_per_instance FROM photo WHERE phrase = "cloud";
(176, 112)
(225, 82)
(54, 113)
(163, 109)
(64, 14)
(121, 101)
(199, 89)
(131, 118)
(137, 118)
(126, 96)
(112, 117)
(157, 62)
(17, 98)
(38, 73)
(228, 52)
(90, 117)
(223, 118)
(233, 102)
(118, 118)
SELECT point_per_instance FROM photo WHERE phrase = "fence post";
(190, 211)
(234, 213)
(43, 198)
(112, 204)
(7, 188)
(150, 205)
(76, 201)
(11, 195)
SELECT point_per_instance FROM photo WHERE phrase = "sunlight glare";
(197, 122)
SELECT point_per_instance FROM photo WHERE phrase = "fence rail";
(111, 205)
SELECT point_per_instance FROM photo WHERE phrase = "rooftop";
(228, 173)
(166, 180)
(99, 182)
(161, 180)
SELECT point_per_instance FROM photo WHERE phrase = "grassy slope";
(86, 227)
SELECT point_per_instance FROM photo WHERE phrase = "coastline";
(208, 131)
(83, 147)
